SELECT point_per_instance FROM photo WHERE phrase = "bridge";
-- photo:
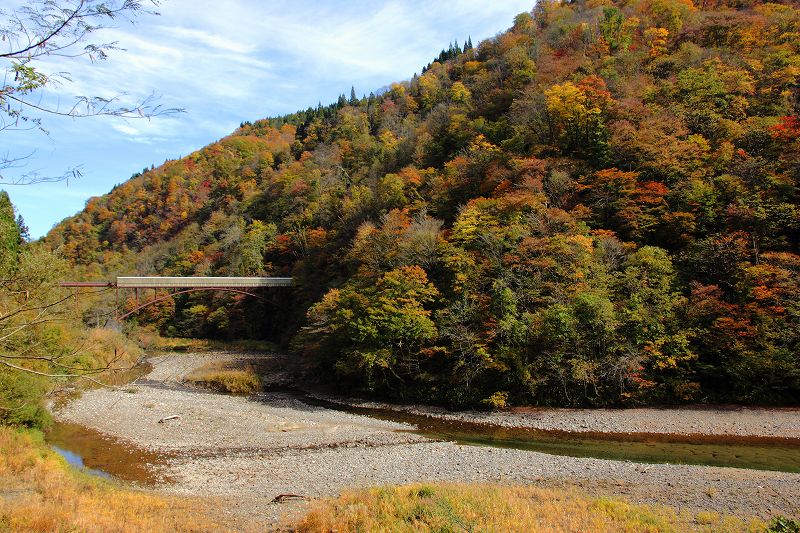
(175, 285)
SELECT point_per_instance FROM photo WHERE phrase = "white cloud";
(126, 129)
(211, 40)
(147, 131)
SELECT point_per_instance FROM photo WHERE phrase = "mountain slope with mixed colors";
(598, 206)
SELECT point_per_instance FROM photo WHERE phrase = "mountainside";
(598, 206)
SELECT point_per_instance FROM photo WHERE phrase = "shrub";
(782, 524)
(21, 399)
(498, 400)
(218, 377)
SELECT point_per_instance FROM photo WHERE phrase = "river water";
(101, 455)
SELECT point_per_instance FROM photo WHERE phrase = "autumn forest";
(597, 207)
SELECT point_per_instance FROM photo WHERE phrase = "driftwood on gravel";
(280, 498)
(172, 417)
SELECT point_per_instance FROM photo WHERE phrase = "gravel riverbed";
(248, 450)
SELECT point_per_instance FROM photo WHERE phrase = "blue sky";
(247, 60)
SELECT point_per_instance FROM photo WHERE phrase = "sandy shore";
(249, 450)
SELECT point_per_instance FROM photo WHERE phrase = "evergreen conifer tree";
(24, 232)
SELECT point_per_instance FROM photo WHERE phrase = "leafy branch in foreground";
(42, 343)
(42, 340)
(32, 308)
(42, 31)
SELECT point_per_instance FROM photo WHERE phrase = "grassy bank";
(40, 493)
(235, 377)
(456, 507)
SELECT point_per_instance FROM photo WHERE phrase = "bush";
(498, 400)
(21, 399)
(781, 524)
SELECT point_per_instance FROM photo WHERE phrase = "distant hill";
(598, 206)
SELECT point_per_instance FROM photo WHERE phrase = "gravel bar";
(248, 450)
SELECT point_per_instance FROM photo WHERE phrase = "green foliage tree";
(616, 30)
(383, 325)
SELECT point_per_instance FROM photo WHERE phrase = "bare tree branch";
(46, 29)
(51, 375)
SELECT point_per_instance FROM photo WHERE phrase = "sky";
(225, 63)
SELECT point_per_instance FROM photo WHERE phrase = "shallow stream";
(760, 453)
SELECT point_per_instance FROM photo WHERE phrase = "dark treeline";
(598, 206)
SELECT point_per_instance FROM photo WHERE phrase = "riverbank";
(780, 423)
(39, 493)
(492, 507)
(250, 450)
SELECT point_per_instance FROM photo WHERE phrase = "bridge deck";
(160, 282)
(176, 282)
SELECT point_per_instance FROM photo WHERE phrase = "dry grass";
(39, 493)
(152, 341)
(226, 376)
(452, 507)
(107, 347)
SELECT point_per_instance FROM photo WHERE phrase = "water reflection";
(101, 455)
(77, 461)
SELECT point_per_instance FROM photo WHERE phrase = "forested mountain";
(598, 206)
